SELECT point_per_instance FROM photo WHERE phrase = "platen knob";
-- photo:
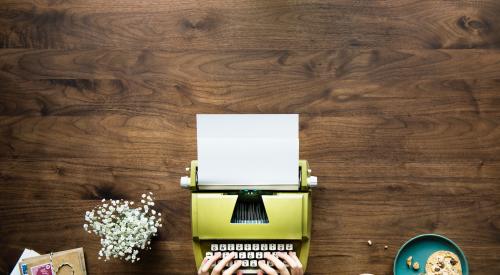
(312, 181)
(185, 182)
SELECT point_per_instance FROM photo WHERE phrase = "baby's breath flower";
(123, 230)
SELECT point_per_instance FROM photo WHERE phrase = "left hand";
(218, 269)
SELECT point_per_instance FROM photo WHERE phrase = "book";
(68, 262)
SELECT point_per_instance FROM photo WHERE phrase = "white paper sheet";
(248, 151)
(27, 253)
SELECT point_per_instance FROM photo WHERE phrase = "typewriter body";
(251, 220)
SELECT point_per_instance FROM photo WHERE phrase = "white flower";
(123, 230)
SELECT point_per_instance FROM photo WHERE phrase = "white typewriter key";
(281, 247)
(244, 263)
(209, 254)
(250, 255)
(259, 255)
(263, 246)
(242, 256)
(222, 247)
(272, 246)
(248, 247)
(253, 263)
(267, 253)
(230, 263)
(214, 247)
(269, 263)
(230, 246)
(239, 246)
(275, 254)
(289, 246)
(225, 254)
(255, 246)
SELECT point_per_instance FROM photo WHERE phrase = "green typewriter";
(249, 218)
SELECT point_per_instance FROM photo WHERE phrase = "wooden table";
(399, 105)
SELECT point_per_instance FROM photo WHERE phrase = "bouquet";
(123, 228)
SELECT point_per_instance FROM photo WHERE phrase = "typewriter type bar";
(249, 209)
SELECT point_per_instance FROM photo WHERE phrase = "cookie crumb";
(370, 242)
(385, 247)
(408, 261)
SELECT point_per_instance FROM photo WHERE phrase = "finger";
(209, 262)
(232, 268)
(266, 268)
(218, 268)
(280, 266)
(294, 256)
(260, 272)
(202, 263)
(291, 262)
(239, 272)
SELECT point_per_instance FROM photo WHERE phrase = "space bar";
(249, 271)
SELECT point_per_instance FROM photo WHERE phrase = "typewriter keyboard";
(249, 253)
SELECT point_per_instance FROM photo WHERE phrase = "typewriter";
(251, 220)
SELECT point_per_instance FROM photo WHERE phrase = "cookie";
(443, 263)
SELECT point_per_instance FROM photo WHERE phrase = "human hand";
(210, 260)
(291, 259)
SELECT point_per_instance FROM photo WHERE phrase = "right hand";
(291, 259)
(217, 270)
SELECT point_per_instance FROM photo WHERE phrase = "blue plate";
(420, 248)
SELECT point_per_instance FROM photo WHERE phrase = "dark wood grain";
(249, 24)
(399, 105)
(219, 67)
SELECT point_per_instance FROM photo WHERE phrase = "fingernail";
(238, 262)
(292, 252)
(217, 253)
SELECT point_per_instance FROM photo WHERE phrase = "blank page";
(248, 151)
